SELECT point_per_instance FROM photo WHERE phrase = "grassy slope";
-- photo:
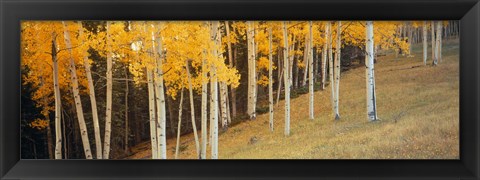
(418, 107)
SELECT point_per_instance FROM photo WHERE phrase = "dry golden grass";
(418, 107)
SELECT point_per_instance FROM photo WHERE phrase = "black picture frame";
(13, 11)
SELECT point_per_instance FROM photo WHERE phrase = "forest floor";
(418, 108)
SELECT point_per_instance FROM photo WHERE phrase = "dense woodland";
(95, 89)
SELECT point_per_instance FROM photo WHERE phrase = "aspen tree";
(331, 66)
(251, 111)
(151, 109)
(76, 95)
(286, 79)
(192, 109)
(157, 51)
(230, 64)
(370, 79)
(179, 124)
(214, 93)
(203, 153)
(324, 54)
(108, 111)
(425, 43)
(337, 68)
(93, 101)
(310, 57)
(432, 29)
(270, 84)
(58, 103)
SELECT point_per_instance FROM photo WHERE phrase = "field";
(418, 108)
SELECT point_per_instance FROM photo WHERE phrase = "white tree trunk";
(331, 67)
(251, 111)
(310, 79)
(203, 152)
(223, 104)
(93, 101)
(76, 95)
(230, 64)
(437, 43)
(306, 59)
(58, 103)
(370, 79)
(151, 110)
(180, 108)
(270, 83)
(324, 55)
(192, 108)
(286, 79)
(425, 42)
(214, 93)
(440, 32)
(108, 111)
(337, 68)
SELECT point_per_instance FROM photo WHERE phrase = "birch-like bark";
(425, 43)
(180, 108)
(160, 97)
(108, 111)
(286, 79)
(337, 68)
(192, 108)
(76, 95)
(93, 101)
(370, 79)
(151, 110)
(203, 151)
(306, 59)
(331, 67)
(436, 59)
(223, 104)
(324, 55)
(310, 79)
(251, 71)
(214, 93)
(270, 83)
(58, 101)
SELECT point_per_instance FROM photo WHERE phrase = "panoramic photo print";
(240, 89)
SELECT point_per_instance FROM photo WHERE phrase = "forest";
(240, 89)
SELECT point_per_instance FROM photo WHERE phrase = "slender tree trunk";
(151, 109)
(440, 23)
(108, 112)
(371, 96)
(286, 79)
(223, 104)
(76, 95)
(337, 68)
(425, 43)
(433, 39)
(310, 80)
(180, 107)
(324, 55)
(270, 84)
(437, 57)
(58, 103)
(410, 37)
(93, 101)
(192, 109)
(203, 152)
(251, 111)
(291, 61)
(280, 73)
(331, 67)
(126, 109)
(160, 96)
(306, 59)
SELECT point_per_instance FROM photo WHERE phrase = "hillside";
(418, 107)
